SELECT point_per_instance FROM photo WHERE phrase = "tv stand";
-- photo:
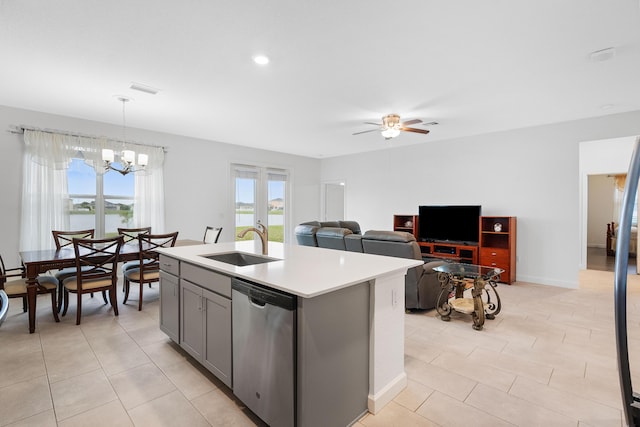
(459, 252)
(453, 251)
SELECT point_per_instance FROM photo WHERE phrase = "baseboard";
(539, 280)
(387, 394)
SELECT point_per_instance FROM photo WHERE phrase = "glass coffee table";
(469, 289)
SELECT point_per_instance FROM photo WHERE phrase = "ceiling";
(473, 66)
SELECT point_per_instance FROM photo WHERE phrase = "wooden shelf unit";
(498, 248)
(406, 223)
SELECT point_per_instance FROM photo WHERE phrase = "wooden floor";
(597, 259)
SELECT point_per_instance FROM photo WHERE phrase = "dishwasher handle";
(261, 296)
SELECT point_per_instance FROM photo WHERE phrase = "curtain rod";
(19, 130)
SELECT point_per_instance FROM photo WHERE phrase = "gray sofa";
(421, 283)
(329, 234)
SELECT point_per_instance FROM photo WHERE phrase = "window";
(52, 192)
(104, 202)
(260, 194)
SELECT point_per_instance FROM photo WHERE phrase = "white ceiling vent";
(603, 54)
(144, 88)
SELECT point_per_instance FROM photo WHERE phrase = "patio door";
(260, 194)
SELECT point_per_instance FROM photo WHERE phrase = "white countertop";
(300, 270)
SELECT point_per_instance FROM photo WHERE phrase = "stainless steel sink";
(240, 259)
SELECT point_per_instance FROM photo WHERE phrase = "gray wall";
(197, 176)
(530, 173)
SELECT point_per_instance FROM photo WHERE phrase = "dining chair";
(147, 272)
(131, 235)
(211, 234)
(64, 239)
(97, 270)
(17, 287)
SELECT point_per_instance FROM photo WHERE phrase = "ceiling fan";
(391, 126)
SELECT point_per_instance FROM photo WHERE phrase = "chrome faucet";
(263, 233)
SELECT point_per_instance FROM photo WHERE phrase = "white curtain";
(149, 201)
(45, 200)
(44, 204)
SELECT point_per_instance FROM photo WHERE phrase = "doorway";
(599, 162)
(602, 194)
(333, 201)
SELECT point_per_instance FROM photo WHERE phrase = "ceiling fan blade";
(424, 131)
(366, 131)
(371, 123)
(411, 122)
(430, 124)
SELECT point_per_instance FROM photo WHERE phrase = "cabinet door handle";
(493, 254)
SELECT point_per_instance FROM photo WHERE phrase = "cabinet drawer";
(493, 255)
(208, 279)
(170, 265)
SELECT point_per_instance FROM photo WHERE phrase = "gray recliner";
(332, 237)
(421, 283)
(353, 242)
(306, 234)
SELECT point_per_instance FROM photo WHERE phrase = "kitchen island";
(350, 320)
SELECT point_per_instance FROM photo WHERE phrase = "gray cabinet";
(205, 319)
(217, 331)
(191, 322)
(170, 297)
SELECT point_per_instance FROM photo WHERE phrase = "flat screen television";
(449, 223)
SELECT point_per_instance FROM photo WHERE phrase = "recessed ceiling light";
(607, 106)
(603, 54)
(261, 59)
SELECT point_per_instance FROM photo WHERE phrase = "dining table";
(37, 262)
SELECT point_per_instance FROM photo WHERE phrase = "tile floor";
(548, 359)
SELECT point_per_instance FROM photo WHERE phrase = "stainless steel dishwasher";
(264, 351)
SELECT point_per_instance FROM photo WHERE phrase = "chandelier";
(127, 157)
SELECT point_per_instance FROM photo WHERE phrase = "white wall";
(535, 174)
(529, 173)
(197, 176)
(600, 209)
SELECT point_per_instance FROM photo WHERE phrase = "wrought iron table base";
(483, 304)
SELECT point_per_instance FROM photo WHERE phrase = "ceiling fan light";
(390, 133)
